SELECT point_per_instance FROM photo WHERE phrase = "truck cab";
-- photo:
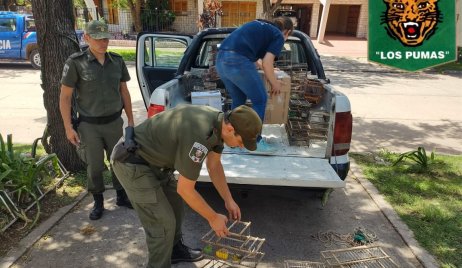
(18, 38)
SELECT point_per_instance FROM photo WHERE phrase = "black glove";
(130, 144)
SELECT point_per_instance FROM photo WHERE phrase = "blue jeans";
(242, 81)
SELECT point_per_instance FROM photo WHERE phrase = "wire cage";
(298, 114)
(211, 74)
(302, 132)
(239, 248)
(313, 90)
(298, 74)
(192, 82)
(355, 257)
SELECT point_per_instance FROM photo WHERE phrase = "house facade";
(314, 17)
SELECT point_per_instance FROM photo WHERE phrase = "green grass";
(72, 185)
(78, 180)
(129, 54)
(428, 200)
(452, 66)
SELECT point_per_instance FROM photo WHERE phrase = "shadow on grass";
(428, 200)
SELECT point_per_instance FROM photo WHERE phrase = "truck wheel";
(35, 59)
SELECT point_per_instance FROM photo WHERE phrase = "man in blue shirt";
(237, 57)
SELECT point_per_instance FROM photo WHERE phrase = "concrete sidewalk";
(333, 45)
(342, 46)
(117, 240)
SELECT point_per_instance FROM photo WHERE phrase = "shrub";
(22, 178)
(419, 156)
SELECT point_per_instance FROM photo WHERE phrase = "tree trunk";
(269, 9)
(135, 10)
(57, 40)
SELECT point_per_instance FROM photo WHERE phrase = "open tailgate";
(297, 166)
(277, 171)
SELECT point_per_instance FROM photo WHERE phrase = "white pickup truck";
(170, 67)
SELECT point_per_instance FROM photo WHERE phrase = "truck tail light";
(155, 109)
(342, 133)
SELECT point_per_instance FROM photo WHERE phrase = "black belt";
(100, 120)
(136, 159)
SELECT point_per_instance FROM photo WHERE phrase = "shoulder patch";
(77, 54)
(198, 152)
(65, 69)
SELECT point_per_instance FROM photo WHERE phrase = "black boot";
(98, 207)
(182, 253)
(122, 199)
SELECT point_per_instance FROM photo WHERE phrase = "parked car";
(292, 14)
(18, 38)
(171, 67)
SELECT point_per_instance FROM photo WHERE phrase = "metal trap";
(300, 104)
(313, 90)
(15, 201)
(358, 257)
(303, 264)
(239, 248)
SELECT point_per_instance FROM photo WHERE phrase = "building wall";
(315, 16)
(187, 23)
(363, 20)
(337, 16)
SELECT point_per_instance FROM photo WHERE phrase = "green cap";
(247, 124)
(97, 29)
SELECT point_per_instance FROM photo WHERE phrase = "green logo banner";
(412, 34)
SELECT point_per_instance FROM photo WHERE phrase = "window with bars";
(236, 13)
(179, 7)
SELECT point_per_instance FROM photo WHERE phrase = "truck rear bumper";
(342, 170)
(341, 165)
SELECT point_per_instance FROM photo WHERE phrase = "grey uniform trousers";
(94, 141)
(160, 209)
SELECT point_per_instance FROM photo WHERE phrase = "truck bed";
(297, 166)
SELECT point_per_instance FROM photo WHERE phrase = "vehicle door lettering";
(5, 44)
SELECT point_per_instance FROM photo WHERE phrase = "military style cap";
(97, 29)
(247, 124)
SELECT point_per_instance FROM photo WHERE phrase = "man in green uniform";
(96, 80)
(181, 139)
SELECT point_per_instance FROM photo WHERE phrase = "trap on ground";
(238, 249)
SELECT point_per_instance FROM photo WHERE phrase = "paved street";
(392, 110)
(21, 101)
(399, 111)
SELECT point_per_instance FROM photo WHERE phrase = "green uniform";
(177, 139)
(98, 102)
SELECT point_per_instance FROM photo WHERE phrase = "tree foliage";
(12, 5)
(56, 26)
(157, 16)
